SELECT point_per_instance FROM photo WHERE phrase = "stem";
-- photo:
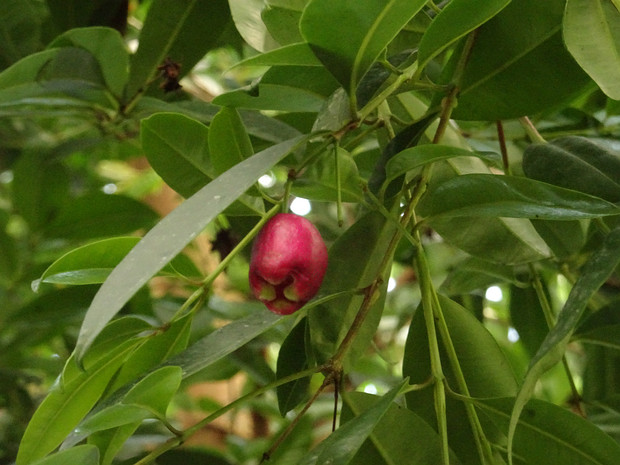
(550, 319)
(502, 146)
(338, 188)
(531, 130)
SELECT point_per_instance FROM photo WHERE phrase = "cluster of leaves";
(449, 147)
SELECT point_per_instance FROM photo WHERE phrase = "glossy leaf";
(343, 444)
(514, 197)
(281, 17)
(298, 54)
(85, 454)
(455, 20)
(575, 163)
(75, 393)
(319, 182)
(548, 434)
(229, 143)
(485, 368)
(385, 447)
(223, 341)
(512, 70)
(107, 46)
(595, 272)
(247, 17)
(368, 26)
(592, 35)
(350, 270)
(92, 263)
(182, 31)
(418, 156)
(170, 236)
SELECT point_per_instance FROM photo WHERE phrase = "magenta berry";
(289, 259)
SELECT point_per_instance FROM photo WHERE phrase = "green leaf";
(292, 359)
(281, 17)
(485, 368)
(229, 143)
(343, 444)
(547, 434)
(85, 454)
(171, 235)
(73, 395)
(319, 182)
(20, 29)
(109, 49)
(476, 274)
(284, 88)
(183, 162)
(183, 31)
(177, 149)
(575, 163)
(223, 341)
(593, 275)
(592, 35)
(348, 269)
(246, 15)
(368, 27)
(111, 441)
(513, 197)
(385, 447)
(298, 54)
(457, 19)
(92, 263)
(418, 156)
(98, 215)
(149, 398)
(512, 70)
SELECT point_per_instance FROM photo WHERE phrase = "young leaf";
(85, 454)
(343, 444)
(456, 19)
(368, 26)
(592, 35)
(593, 275)
(170, 236)
(514, 197)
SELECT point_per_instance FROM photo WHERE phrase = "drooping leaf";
(77, 391)
(246, 15)
(343, 444)
(170, 236)
(592, 35)
(513, 197)
(595, 272)
(368, 26)
(547, 434)
(385, 447)
(575, 163)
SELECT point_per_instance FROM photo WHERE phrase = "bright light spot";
(494, 294)
(267, 180)
(513, 335)
(109, 188)
(301, 206)
(370, 389)
(391, 285)
(6, 177)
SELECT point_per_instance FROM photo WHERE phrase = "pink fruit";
(289, 259)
